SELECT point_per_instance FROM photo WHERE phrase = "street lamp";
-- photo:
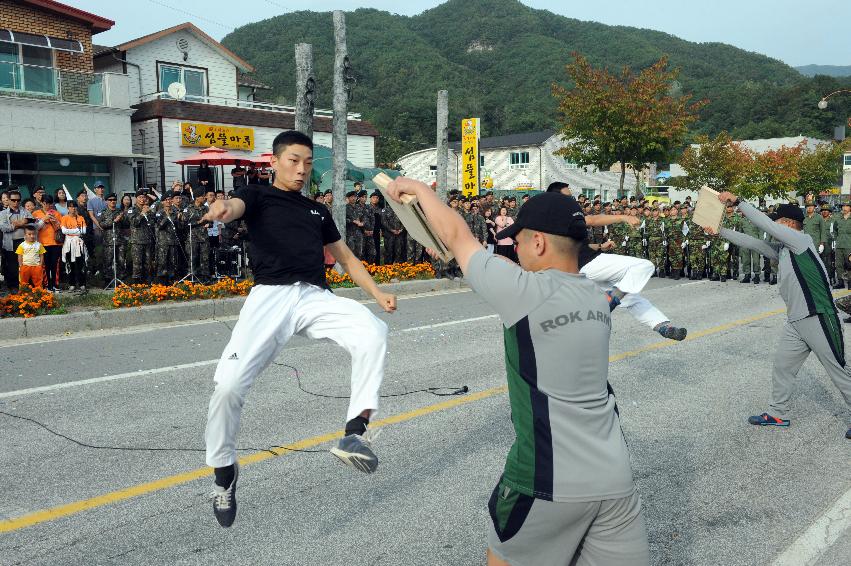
(822, 104)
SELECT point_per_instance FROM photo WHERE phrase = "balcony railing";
(234, 103)
(60, 85)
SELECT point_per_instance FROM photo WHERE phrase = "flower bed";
(28, 302)
(383, 273)
(138, 295)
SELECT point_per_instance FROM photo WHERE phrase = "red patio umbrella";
(213, 156)
(263, 159)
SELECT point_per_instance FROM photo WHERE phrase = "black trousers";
(51, 265)
(77, 275)
(10, 265)
(211, 259)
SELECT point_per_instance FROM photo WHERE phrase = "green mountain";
(499, 58)
(828, 70)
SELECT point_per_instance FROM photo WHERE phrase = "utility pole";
(442, 143)
(305, 83)
(340, 126)
(305, 96)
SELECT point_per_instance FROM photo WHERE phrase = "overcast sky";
(796, 32)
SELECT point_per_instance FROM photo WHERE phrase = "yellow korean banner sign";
(470, 156)
(225, 137)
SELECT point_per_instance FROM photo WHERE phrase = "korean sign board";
(225, 137)
(470, 156)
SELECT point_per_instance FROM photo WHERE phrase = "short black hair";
(29, 228)
(288, 138)
(47, 199)
(557, 186)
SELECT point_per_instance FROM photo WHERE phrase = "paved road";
(715, 490)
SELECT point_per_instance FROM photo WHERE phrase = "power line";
(275, 4)
(190, 14)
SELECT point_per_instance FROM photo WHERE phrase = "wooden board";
(413, 219)
(709, 209)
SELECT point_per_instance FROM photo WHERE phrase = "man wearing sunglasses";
(12, 222)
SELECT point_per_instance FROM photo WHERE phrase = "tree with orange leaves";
(631, 119)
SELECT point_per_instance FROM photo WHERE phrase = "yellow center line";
(68, 509)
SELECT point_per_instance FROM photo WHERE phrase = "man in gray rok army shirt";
(812, 323)
(566, 491)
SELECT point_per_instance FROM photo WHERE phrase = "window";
(847, 161)
(519, 160)
(589, 193)
(195, 80)
(27, 68)
(570, 164)
(481, 160)
(432, 170)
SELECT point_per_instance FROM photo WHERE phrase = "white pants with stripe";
(630, 275)
(271, 315)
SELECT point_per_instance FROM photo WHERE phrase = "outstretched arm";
(607, 219)
(448, 225)
(360, 275)
(796, 241)
(225, 210)
(749, 242)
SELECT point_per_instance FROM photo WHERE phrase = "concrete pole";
(305, 83)
(305, 95)
(340, 126)
(442, 143)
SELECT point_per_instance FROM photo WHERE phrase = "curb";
(65, 324)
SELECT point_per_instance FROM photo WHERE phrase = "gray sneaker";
(224, 500)
(356, 451)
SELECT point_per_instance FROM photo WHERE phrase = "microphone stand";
(115, 280)
(190, 276)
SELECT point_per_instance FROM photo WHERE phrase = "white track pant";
(630, 275)
(268, 319)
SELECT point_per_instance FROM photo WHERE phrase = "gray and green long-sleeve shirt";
(803, 279)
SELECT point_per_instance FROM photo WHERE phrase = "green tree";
(821, 168)
(631, 119)
(717, 163)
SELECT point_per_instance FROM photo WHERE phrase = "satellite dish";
(177, 90)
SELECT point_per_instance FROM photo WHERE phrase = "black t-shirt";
(287, 232)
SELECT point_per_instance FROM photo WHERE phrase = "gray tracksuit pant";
(821, 334)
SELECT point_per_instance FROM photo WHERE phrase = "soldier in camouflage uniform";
(655, 236)
(167, 243)
(829, 241)
(393, 236)
(697, 240)
(674, 232)
(475, 222)
(354, 222)
(141, 219)
(197, 241)
(684, 225)
(750, 262)
(367, 231)
(112, 221)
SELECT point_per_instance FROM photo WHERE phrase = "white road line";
(154, 371)
(821, 535)
(105, 378)
(449, 323)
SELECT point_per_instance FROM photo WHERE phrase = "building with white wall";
(217, 100)
(517, 162)
(62, 123)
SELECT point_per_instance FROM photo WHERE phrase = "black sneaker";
(356, 451)
(673, 332)
(224, 500)
(756, 279)
(767, 420)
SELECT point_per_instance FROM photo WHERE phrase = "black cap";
(351, 194)
(790, 211)
(111, 196)
(362, 193)
(327, 192)
(551, 213)
(375, 194)
(168, 194)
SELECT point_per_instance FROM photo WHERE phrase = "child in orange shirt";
(30, 259)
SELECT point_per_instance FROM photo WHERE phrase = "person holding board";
(566, 491)
(812, 323)
(290, 296)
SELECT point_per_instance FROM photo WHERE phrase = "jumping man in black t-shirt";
(290, 296)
